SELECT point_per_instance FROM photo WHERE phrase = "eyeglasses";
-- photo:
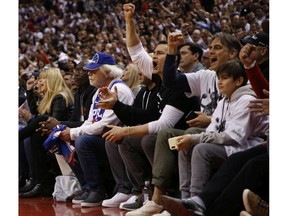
(91, 72)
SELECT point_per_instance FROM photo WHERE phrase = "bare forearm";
(140, 130)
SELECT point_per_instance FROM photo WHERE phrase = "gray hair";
(113, 71)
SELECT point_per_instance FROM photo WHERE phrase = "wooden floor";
(47, 207)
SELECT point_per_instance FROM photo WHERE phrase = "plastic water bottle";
(147, 191)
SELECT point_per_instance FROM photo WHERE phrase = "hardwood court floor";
(47, 207)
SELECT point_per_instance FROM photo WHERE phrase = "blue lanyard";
(98, 113)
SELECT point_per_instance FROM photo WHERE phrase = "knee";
(148, 141)
(109, 145)
(255, 164)
(194, 130)
(125, 143)
(124, 146)
(80, 144)
(164, 135)
(200, 149)
(110, 148)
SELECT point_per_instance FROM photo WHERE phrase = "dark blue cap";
(260, 39)
(99, 59)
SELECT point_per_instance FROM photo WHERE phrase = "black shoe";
(94, 199)
(178, 207)
(38, 190)
(192, 205)
(30, 184)
(22, 182)
(130, 206)
(80, 198)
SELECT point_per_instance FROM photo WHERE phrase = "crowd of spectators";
(56, 32)
(62, 33)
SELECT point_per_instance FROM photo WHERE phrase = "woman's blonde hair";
(133, 81)
(55, 86)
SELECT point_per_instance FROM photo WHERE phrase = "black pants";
(42, 162)
(247, 169)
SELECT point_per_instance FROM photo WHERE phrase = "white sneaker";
(163, 213)
(149, 208)
(116, 200)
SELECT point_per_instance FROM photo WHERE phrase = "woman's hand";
(25, 114)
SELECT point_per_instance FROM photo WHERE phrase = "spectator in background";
(206, 59)
(243, 23)
(260, 16)
(131, 78)
(265, 26)
(235, 21)
(226, 27)
(260, 44)
(196, 38)
(68, 78)
(190, 55)
(60, 26)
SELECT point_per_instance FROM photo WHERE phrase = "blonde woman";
(58, 99)
(131, 78)
(57, 102)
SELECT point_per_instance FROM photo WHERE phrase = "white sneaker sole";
(110, 205)
(77, 201)
(83, 204)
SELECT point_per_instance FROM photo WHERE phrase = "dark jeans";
(40, 161)
(247, 169)
(25, 159)
(78, 172)
(93, 159)
(23, 167)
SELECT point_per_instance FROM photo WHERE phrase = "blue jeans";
(93, 158)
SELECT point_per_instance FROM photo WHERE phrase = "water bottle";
(147, 191)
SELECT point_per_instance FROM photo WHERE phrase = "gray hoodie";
(233, 125)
